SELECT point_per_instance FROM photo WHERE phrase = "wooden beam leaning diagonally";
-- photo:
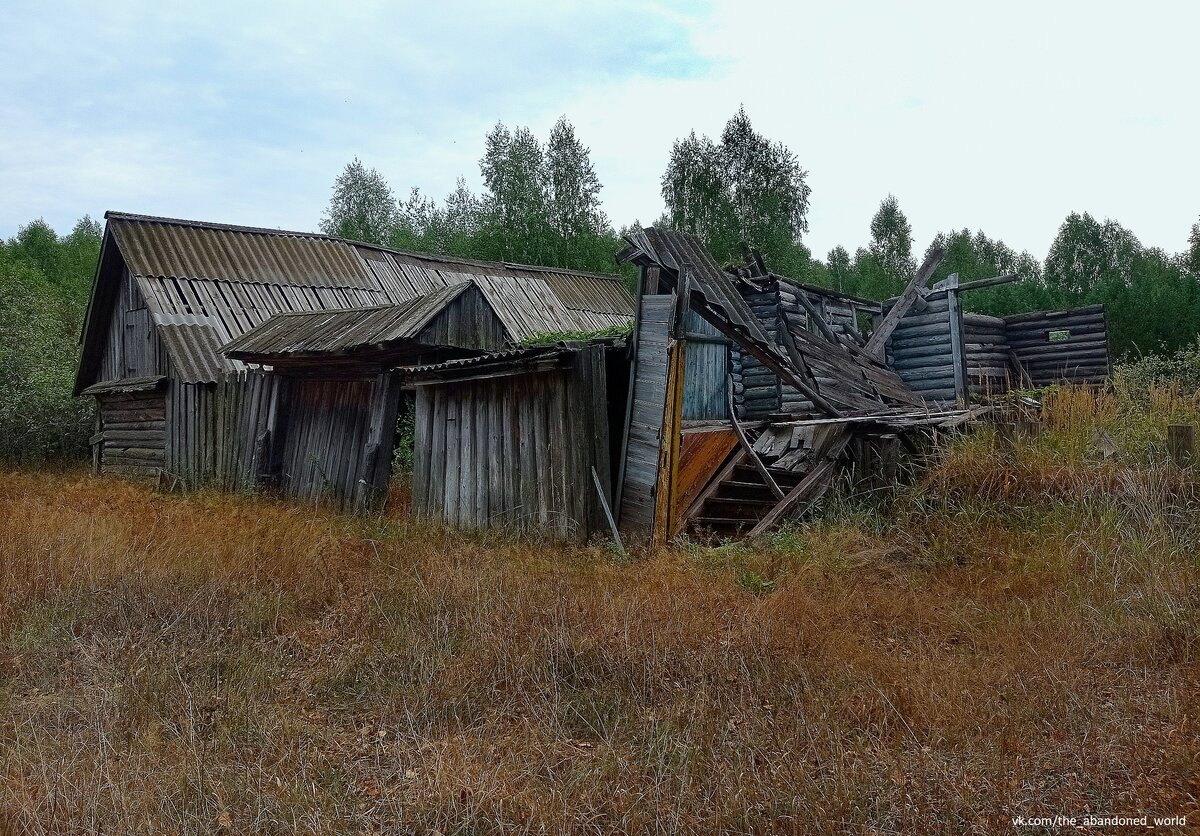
(807, 489)
(879, 337)
(748, 448)
(773, 363)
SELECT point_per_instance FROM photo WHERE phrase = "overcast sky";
(1000, 116)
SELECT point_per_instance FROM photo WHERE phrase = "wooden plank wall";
(757, 391)
(645, 426)
(516, 451)
(1081, 357)
(986, 354)
(706, 371)
(467, 322)
(920, 349)
(327, 428)
(132, 431)
(215, 431)
(132, 347)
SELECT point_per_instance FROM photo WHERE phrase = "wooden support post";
(1181, 444)
(958, 353)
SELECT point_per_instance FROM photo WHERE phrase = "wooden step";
(744, 490)
(721, 525)
(784, 478)
(733, 508)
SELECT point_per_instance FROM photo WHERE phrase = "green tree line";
(44, 285)
(541, 204)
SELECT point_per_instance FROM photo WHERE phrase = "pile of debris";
(780, 465)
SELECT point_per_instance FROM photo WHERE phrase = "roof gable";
(206, 284)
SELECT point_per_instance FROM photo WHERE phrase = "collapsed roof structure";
(257, 358)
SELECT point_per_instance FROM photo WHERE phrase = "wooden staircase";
(737, 502)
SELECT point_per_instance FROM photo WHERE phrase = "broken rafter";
(879, 337)
(748, 448)
(807, 489)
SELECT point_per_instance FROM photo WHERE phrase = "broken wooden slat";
(749, 449)
(879, 337)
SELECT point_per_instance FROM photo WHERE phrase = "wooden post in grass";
(1181, 443)
(1006, 437)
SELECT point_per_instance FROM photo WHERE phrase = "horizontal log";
(135, 425)
(1094, 355)
(976, 320)
(903, 332)
(905, 352)
(1035, 315)
(917, 320)
(1090, 341)
(155, 436)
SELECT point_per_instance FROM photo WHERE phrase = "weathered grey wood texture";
(132, 433)
(758, 391)
(648, 395)
(985, 346)
(920, 349)
(706, 371)
(214, 429)
(516, 451)
(132, 347)
(1079, 354)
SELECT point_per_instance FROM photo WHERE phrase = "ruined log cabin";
(722, 399)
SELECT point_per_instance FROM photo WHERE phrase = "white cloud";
(1004, 118)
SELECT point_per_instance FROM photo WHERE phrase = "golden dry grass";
(1007, 639)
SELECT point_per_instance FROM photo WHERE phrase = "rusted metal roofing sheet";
(322, 332)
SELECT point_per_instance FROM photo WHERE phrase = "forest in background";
(541, 204)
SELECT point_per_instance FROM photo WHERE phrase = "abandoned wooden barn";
(311, 407)
(249, 357)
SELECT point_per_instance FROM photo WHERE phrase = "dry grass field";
(1015, 634)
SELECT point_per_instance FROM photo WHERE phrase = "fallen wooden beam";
(879, 337)
(749, 448)
(807, 489)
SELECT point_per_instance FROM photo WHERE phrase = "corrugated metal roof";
(195, 352)
(527, 306)
(497, 358)
(672, 250)
(341, 330)
(231, 279)
(169, 250)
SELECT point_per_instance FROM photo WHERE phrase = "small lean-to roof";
(325, 332)
(212, 282)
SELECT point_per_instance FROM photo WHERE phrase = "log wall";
(985, 347)
(921, 352)
(757, 391)
(1068, 346)
(516, 451)
(132, 433)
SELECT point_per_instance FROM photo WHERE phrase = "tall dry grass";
(1015, 635)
